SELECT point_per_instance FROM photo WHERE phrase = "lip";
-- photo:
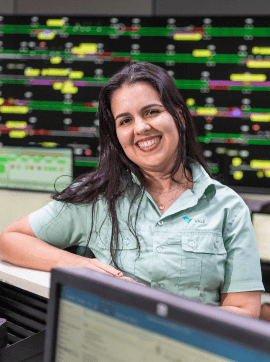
(147, 139)
(150, 149)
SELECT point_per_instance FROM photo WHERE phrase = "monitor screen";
(36, 169)
(261, 225)
(93, 321)
(52, 70)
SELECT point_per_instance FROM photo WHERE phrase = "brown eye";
(152, 111)
(124, 120)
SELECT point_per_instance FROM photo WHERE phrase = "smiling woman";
(145, 116)
(150, 211)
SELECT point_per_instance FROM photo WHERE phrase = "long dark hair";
(108, 178)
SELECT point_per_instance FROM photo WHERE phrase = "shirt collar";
(203, 185)
(135, 179)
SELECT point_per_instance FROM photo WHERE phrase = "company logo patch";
(188, 219)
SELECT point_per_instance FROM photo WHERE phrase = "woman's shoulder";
(231, 202)
(204, 183)
(56, 207)
(227, 191)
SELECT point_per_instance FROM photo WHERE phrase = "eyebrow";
(143, 108)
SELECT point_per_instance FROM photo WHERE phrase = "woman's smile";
(150, 145)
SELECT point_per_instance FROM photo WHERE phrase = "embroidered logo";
(188, 219)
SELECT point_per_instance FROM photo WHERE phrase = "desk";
(38, 282)
(34, 281)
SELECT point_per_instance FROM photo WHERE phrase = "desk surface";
(38, 282)
(34, 281)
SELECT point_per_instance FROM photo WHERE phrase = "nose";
(141, 125)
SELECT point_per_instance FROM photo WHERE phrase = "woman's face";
(139, 115)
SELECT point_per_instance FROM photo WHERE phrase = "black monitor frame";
(238, 329)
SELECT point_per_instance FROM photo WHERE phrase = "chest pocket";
(202, 265)
(205, 243)
(126, 251)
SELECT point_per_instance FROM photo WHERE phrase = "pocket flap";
(208, 243)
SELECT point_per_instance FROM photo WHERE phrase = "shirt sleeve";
(243, 269)
(61, 224)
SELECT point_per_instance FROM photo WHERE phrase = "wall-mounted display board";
(52, 70)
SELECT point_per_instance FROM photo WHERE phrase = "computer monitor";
(96, 317)
(35, 168)
(261, 225)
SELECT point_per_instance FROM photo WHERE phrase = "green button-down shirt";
(203, 245)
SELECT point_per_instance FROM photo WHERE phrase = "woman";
(150, 211)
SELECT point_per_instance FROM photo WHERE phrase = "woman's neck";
(157, 184)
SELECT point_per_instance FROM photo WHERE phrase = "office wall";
(16, 204)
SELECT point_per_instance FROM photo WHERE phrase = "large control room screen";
(52, 70)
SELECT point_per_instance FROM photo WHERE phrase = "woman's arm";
(245, 303)
(20, 246)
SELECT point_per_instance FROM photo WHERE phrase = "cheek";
(169, 128)
(125, 139)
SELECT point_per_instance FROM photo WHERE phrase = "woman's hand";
(97, 265)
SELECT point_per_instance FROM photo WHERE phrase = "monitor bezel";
(206, 318)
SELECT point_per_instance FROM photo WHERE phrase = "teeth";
(149, 143)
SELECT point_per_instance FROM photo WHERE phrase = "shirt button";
(160, 223)
(159, 249)
(192, 243)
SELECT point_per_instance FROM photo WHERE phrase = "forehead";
(136, 94)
